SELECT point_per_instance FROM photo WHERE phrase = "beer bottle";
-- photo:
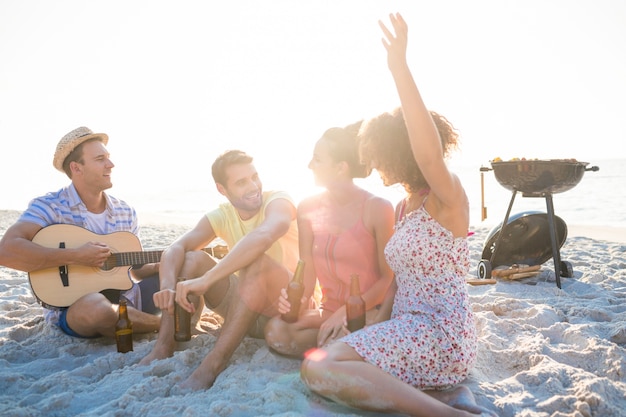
(124, 330)
(295, 289)
(182, 322)
(355, 306)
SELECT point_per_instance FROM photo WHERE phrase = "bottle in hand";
(124, 330)
(355, 306)
(182, 323)
(295, 290)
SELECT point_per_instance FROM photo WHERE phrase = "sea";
(599, 199)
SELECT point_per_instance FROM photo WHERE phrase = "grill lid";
(526, 239)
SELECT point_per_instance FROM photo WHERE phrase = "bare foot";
(197, 381)
(461, 398)
(158, 352)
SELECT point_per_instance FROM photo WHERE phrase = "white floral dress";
(430, 340)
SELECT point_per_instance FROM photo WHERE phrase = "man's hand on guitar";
(93, 254)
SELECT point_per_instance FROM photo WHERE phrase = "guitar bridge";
(63, 270)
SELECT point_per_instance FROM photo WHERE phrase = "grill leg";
(504, 223)
(556, 256)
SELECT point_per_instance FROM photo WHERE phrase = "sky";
(176, 83)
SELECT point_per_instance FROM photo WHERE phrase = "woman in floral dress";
(411, 362)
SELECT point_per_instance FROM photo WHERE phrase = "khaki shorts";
(257, 328)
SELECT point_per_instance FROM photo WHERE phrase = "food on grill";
(498, 159)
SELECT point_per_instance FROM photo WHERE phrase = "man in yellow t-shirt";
(261, 233)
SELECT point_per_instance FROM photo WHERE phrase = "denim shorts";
(139, 297)
(66, 328)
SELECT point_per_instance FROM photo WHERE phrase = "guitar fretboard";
(148, 257)
(132, 258)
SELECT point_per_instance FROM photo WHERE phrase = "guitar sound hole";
(110, 263)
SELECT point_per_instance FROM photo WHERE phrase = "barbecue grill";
(522, 238)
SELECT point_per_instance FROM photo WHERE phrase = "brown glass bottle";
(295, 289)
(124, 330)
(355, 306)
(182, 323)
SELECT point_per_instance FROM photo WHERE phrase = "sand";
(543, 351)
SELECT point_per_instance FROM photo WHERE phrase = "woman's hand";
(283, 305)
(333, 328)
(395, 45)
(184, 289)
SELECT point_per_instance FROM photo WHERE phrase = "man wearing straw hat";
(83, 157)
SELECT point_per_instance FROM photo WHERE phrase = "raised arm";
(423, 134)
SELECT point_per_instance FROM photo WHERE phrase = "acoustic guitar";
(61, 286)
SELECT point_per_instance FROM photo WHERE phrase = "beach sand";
(543, 351)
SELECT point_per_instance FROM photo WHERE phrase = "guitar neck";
(60, 287)
(148, 257)
(133, 258)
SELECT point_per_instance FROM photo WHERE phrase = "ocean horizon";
(597, 200)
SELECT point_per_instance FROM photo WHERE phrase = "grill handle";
(483, 209)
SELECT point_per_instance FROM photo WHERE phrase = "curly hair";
(385, 139)
(343, 144)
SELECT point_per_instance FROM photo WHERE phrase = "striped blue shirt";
(66, 207)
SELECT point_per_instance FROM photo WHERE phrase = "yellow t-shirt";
(228, 226)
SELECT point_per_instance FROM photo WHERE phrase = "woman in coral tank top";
(342, 231)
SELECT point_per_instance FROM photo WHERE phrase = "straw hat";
(70, 141)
